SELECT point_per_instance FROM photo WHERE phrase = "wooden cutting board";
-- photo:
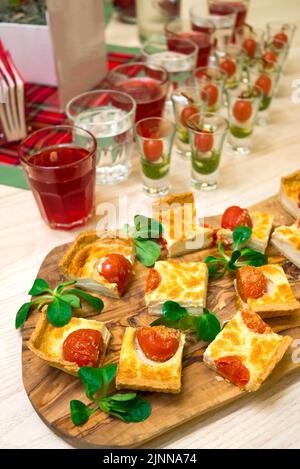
(51, 390)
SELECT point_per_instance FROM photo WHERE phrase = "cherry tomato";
(229, 67)
(232, 368)
(280, 39)
(153, 149)
(269, 59)
(265, 83)
(84, 347)
(164, 247)
(254, 322)
(153, 280)
(186, 113)
(236, 216)
(249, 46)
(210, 93)
(250, 282)
(115, 268)
(158, 343)
(204, 141)
(242, 110)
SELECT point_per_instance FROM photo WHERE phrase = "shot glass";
(109, 116)
(251, 42)
(60, 165)
(176, 54)
(279, 32)
(211, 81)
(223, 17)
(231, 62)
(154, 138)
(207, 132)
(186, 101)
(243, 104)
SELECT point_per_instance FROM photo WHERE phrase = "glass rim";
(231, 92)
(250, 29)
(144, 64)
(182, 21)
(233, 10)
(55, 127)
(292, 26)
(212, 67)
(160, 119)
(176, 38)
(95, 92)
(222, 119)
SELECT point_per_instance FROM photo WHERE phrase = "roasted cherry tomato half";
(250, 282)
(229, 67)
(163, 246)
(186, 113)
(210, 93)
(204, 141)
(242, 110)
(236, 216)
(280, 39)
(249, 46)
(269, 59)
(158, 343)
(84, 347)
(153, 280)
(264, 82)
(153, 149)
(254, 322)
(232, 368)
(115, 268)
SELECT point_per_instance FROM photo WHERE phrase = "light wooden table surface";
(269, 419)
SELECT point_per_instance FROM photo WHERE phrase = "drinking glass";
(203, 39)
(146, 84)
(278, 31)
(109, 116)
(60, 164)
(211, 80)
(177, 55)
(187, 101)
(154, 138)
(251, 42)
(126, 10)
(231, 62)
(224, 18)
(243, 104)
(224, 7)
(207, 132)
(154, 14)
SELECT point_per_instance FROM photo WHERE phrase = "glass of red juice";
(60, 164)
(223, 7)
(126, 10)
(147, 84)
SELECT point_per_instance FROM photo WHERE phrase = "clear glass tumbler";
(211, 80)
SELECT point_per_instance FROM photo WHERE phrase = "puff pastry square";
(289, 194)
(279, 299)
(47, 341)
(137, 372)
(82, 260)
(177, 214)
(183, 282)
(287, 240)
(258, 352)
(261, 230)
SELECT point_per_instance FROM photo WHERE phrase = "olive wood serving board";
(50, 390)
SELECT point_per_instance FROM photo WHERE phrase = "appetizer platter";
(131, 335)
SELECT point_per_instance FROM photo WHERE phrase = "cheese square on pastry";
(137, 372)
(82, 261)
(287, 240)
(47, 341)
(261, 230)
(246, 351)
(289, 194)
(177, 214)
(183, 282)
(278, 300)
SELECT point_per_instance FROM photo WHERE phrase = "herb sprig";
(217, 266)
(60, 302)
(207, 325)
(144, 232)
(127, 407)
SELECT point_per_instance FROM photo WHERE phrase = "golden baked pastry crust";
(46, 341)
(136, 372)
(290, 185)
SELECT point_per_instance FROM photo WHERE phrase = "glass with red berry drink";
(207, 135)
(243, 104)
(60, 164)
(126, 10)
(211, 81)
(231, 63)
(251, 42)
(281, 33)
(147, 84)
(224, 18)
(154, 138)
(223, 7)
(187, 101)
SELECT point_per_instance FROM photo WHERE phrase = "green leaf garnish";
(147, 228)
(147, 252)
(39, 287)
(92, 300)
(72, 300)
(80, 413)
(59, 312)
(22, 314)
(208, 326)
(173, 310)
(134, 410)
(92, 380)
(241, 234)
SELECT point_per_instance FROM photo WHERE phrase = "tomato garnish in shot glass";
(232, 368)
(153, 149)
(242, 110)
(153, 280)
(249, 46)
(115, 268)
(269, 59)
(158, 343)
(265, 83)
(187, 112)
(229, 67)
(280, 39)
(250, 283)
(210, 93)
(84, 347)
(204, 141)
(236, 216)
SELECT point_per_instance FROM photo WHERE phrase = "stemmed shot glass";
(211, 81)
(154, 138)
(243, 104)
(109, 116)
(207, 132)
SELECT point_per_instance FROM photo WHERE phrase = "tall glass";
(251, 42)
(154, 14)
(60, 164)
(109, 116)
(177, 55)
(146, 84)
(222, 7)
(224, 18)
(154, 138)
(126, 10)
(207, 133)
(211, 81)
(281, 35)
